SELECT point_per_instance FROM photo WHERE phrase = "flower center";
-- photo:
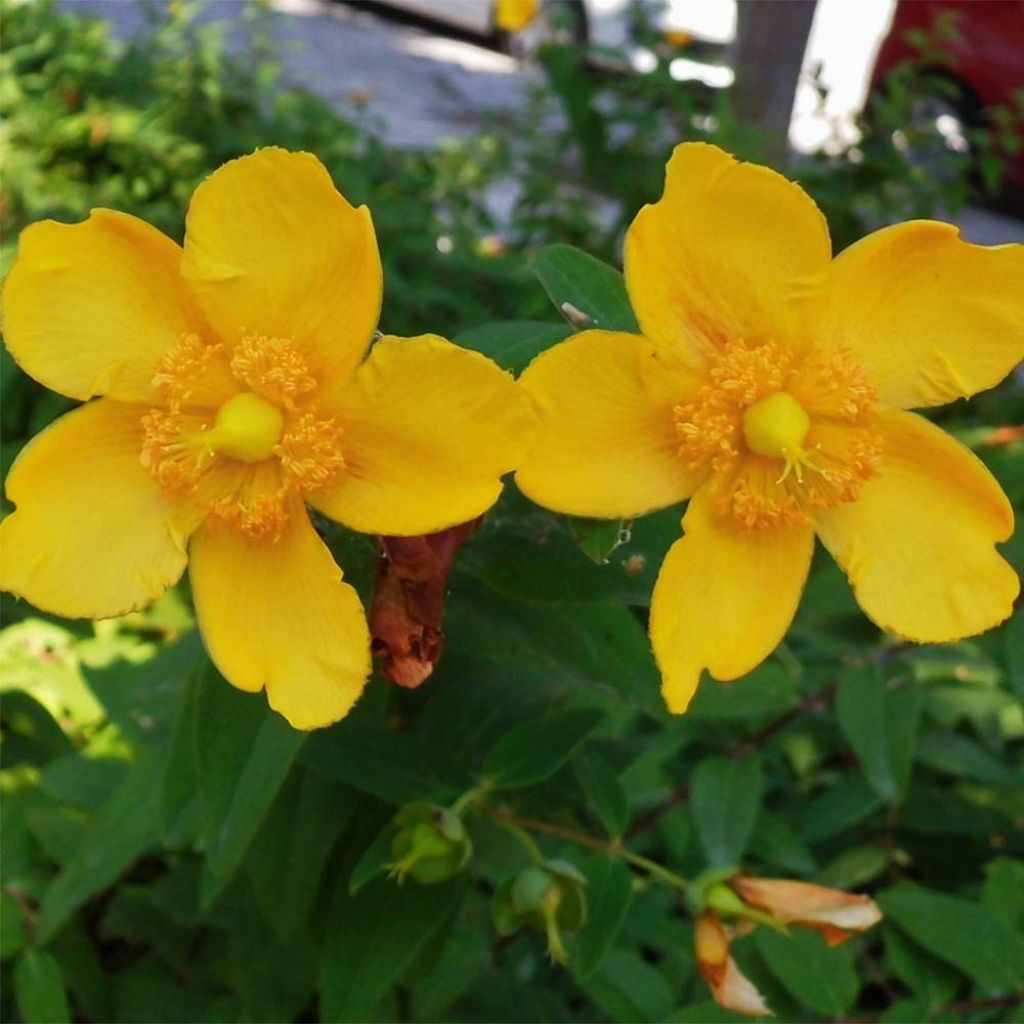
(811, 409)
(237, 432)
(776, 427)
(247, 428)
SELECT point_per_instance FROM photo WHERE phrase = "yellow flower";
(515, 15)
(237, 387)
(769, 385)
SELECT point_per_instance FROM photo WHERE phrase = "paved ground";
(418, 81)
(424, 85)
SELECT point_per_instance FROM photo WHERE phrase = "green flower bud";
(548, 898)
(430, 844)
(697, 891)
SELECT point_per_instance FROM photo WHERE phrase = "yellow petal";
(724, 598)
(731, 251)
(607, 445)
(836, 914)
(276, 615)
(428, 430)
(918, 544)
(272, 249)
(90, 308)
(930, 316)
(92, 535)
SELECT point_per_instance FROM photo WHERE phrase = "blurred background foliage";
(174, 852)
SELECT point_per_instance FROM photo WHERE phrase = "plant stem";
(608, 847)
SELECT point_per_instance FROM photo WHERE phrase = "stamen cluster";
(827, 467)
(181, 447)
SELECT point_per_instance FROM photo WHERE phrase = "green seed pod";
(430, 844)
(548, 897)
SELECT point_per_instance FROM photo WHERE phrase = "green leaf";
(39, 989)
(446, 976)
(1015, 654)
(12, 926)
(587, 292)
(513, 344)
(925, 975)
(778, 844)
(725, 797)
(880, 723)
(847, 803)
(1003, 890)
(854, 867)
(766, 692)
(535, 750)
(956, 755)
(396, 767)
(968, 935)
(243, 754)
(603, 792)
(286, 859)
(373, 937)
(598, 538)
(373, 860)
(609, 893)
(128, 824)
(821, 978)
(627, 988)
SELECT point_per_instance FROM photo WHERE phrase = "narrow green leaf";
(445, 977)
(880, 723)
(603, 791)
(373, 860)
(968, 935)
(12, 926)
(373, 937)
(725, 797)
(587, 292)
(243, 754)
(286, 859)
(535, 750)
(954, 754)
(821, 978)
(513, 344)
(609, 893)
(39, 989)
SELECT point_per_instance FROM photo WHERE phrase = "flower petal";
(92, 535)
(607, 444)
(276, 615)
(730, 987)
(90, 308)
(428, 430)
(918, 544)
(724, 598)
(731, 251)
(272, 249)
(836, 914)
(930, 316)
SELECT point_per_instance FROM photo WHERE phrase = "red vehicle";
(982, 56)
